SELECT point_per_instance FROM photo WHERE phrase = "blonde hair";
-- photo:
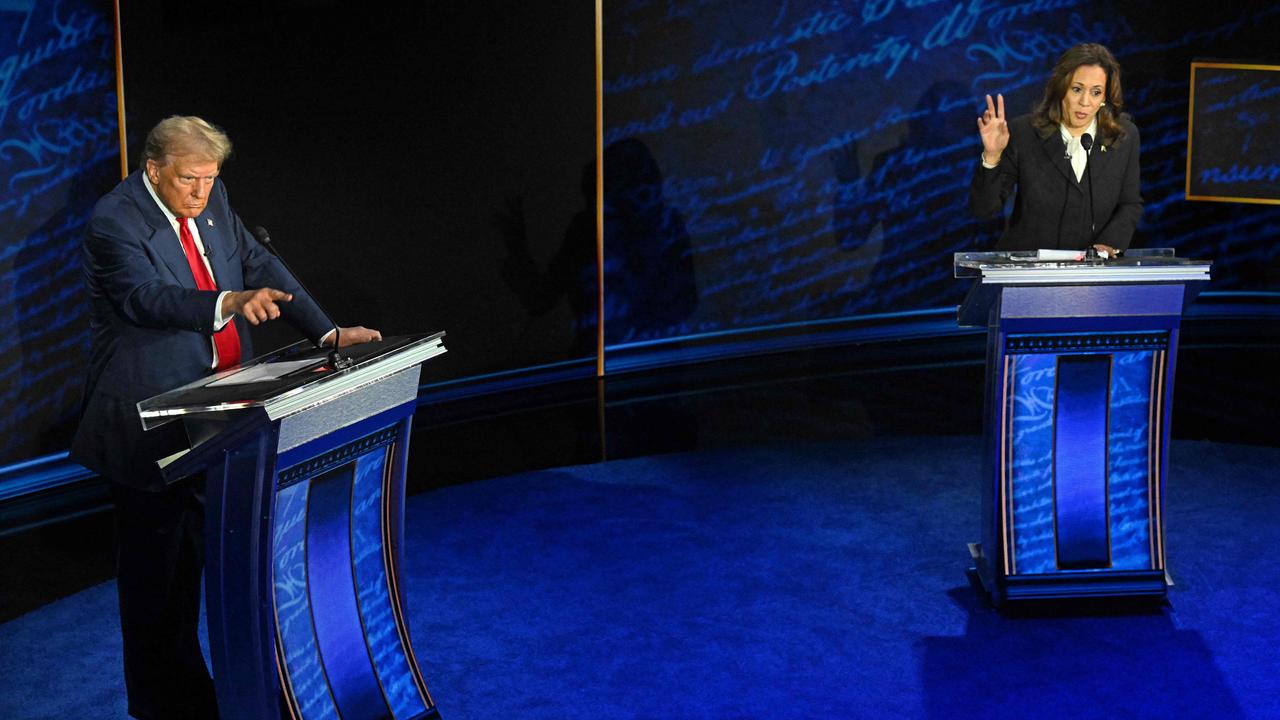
(185, 135)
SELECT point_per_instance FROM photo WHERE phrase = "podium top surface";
(1033, 267)
(290, 379)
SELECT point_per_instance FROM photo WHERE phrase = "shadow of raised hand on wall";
(909, 212)
(1099, 664)
(569, 275)
(649, 283)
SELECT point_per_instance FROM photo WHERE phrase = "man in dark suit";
(1074, 161)
(174, 279)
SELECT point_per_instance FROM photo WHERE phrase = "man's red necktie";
(226, 340)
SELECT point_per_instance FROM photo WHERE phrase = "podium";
(305, 468)
(1079, 391)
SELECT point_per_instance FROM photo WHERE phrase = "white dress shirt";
(1075, 150)
(218, 319)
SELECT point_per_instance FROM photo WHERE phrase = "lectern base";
(1133, 584)
(1077, 408)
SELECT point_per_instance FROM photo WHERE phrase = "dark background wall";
(390, 148)
(386, 146)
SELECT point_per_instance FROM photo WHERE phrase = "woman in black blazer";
(1073, 161)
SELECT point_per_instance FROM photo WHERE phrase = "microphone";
(336, 358)
(1086, 142)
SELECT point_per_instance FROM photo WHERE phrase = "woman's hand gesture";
(994, 131)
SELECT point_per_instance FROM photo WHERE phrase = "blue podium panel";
(1133, 459)
(305, 681)
(1080, 367)
(331, 586)
(305, 460)
(1029, 472)
(380, 611)
(1079, 464)
(343, 641)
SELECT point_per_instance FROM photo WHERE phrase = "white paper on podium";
(262, 373)
(1051, 255)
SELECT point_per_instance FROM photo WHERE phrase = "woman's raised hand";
(994, 131)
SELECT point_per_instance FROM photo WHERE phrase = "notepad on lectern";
(1057, 255)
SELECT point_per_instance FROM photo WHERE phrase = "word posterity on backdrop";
(794, 161)
(59, 152)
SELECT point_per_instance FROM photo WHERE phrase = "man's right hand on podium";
(354, 335)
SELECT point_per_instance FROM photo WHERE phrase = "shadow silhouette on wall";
(570, 274)
(649, 280)
(914, 214)
(911, 209)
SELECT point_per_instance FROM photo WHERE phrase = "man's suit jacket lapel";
(162, 240)
(218, 244)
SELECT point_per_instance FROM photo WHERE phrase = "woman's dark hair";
(1047, 115)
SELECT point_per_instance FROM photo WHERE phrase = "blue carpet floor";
(820, 580)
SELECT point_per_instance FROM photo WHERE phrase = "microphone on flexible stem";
(336, 359)
(1086, 142)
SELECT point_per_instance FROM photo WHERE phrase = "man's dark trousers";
(160, 537)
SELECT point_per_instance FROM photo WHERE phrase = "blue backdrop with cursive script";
(784, 162)
(766, 163)
(59, 152)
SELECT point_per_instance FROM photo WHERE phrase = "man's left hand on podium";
(349, 336)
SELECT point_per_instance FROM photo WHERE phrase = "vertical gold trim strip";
(1006, 511)
(282, 668)
(1152, 402)
(286, 682)
(1053, 456)
(389, 471)
(1191, 111)
(1111, 374)
(600, 191)
(124, 144)
(1159, 459)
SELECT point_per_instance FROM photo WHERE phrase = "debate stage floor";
(800, 579)
(773, 537)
